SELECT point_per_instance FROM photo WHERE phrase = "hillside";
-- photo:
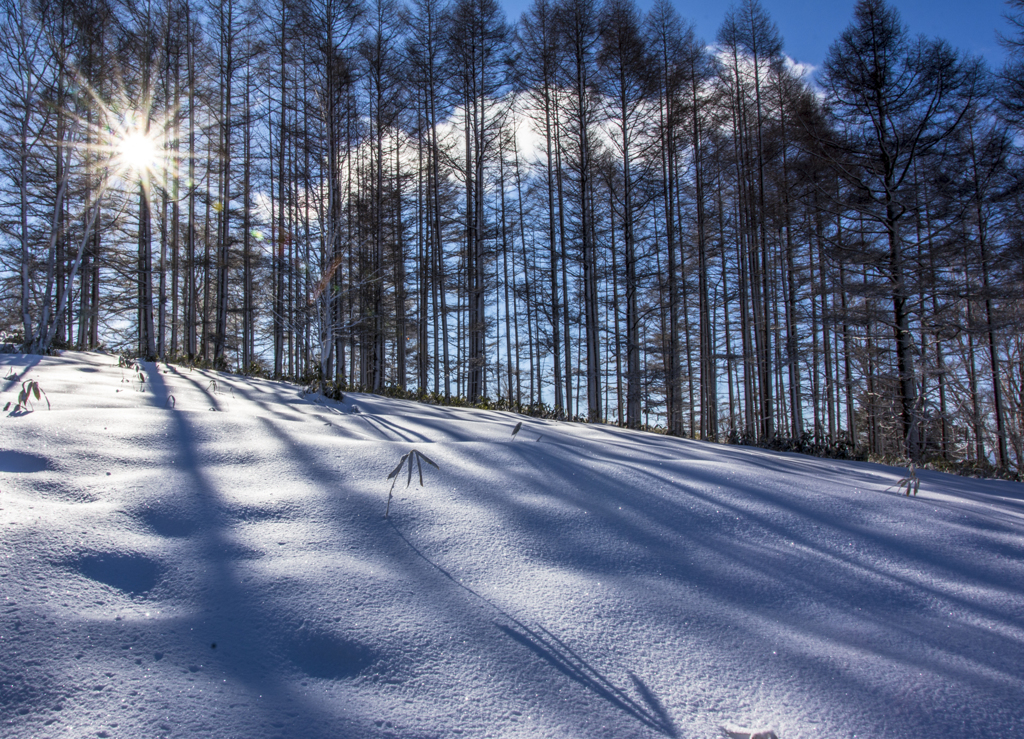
(189, 553)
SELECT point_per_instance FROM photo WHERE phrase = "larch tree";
(895, 99)
(626, 83)
(578, 31)
(477, 51)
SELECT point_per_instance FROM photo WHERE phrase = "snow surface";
(193, 554)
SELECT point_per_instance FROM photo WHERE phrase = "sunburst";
(138, 151)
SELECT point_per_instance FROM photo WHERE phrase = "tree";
(477, 51)
(25, 64)
(626, 84)
(578, 32)
(1011, 76)
(537, 78)
(683, 69)
(892, 100)
(755, 52)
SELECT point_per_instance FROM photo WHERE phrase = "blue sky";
(810, 26)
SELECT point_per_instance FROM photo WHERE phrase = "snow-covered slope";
(198, 554)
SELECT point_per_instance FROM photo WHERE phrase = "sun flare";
(138, 152)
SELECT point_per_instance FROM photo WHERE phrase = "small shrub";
(258, 368)
(12, 342)
(331, 390)
(407, 460)
(29, 389)
(838, 448)
(909, 484)
(314, 383)
(220, 364)
(978, 468)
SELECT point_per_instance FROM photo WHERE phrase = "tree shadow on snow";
(244, 627)
(563, 658)
(648, 710)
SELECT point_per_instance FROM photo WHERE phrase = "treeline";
(590, 209)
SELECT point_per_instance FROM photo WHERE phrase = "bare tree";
(895, 100)
(627, 84)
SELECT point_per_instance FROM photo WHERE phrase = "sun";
(138, 151)
(131, 144)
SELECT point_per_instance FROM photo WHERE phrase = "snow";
(188, 553)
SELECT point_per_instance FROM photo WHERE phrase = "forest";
(587, 213)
